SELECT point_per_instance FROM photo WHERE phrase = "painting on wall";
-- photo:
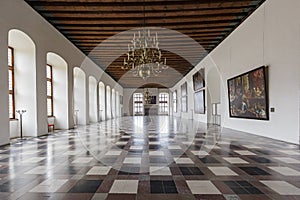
(152, 100)
(198, 80)
(184, 89)
(121, 99)
(199, 102)
(248, 95)
(184, 99)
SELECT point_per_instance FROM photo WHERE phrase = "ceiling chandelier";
(144, 58)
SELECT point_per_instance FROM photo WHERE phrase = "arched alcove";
(113, 103)
(108, 102)
(24, 54)
(79, 96)
(93, 108)
(60, 89)
(101, 93)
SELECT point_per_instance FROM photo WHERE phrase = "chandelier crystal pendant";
(144, 58)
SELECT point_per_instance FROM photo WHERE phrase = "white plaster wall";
(4, 118)
(46, 39)
(25, 79)
(270, 36)
(60, 89)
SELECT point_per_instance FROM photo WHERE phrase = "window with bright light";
(138, 103)
(163, 102)
(49, 90)
(11, 81)
(175, 101)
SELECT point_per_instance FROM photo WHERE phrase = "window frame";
(51, 83)
(163, 102)
(12, 91)
(138, 103)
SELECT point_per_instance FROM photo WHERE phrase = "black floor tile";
(209, 160)
(260, 159)
(254, 171)
(191, 171)
(163, 187)
(86, 186)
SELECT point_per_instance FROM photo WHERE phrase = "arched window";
(11, 82)
(163, 101)
(175, 101)
(138, 104)
(49, 90)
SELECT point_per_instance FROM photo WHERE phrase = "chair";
(51, 122)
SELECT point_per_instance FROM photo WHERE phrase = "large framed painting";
(152, 100)
(248, 95)
(198, 80)
(199, 102)
(184, 98)
(184, 89)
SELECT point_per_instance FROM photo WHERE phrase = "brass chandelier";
(144, 58)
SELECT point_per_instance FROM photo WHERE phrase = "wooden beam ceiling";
(89, 24)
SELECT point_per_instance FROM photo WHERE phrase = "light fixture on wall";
(144, 58)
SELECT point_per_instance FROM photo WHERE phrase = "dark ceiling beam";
(136, 5)
(141, 22)
(149, 13)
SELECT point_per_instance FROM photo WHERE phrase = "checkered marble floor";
(149, 158)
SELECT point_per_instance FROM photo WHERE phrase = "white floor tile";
(160, 171)
(121, 143)
(174, 147)
(286, 171)
(113, 153)
(222, 171)
(290, 152)
(125, 186)
(154, 143)
(99, 170)
(282, 187)
(49, 186)
(235, 160)
(202, 187)
(183, 161)
(287, 160)
(251, 146)
(200, 153)
(156, 153)
(212, 146)
(245, 152)
(132, 160)
(136, 147)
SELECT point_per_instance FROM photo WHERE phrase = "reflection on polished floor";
(149, 158)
